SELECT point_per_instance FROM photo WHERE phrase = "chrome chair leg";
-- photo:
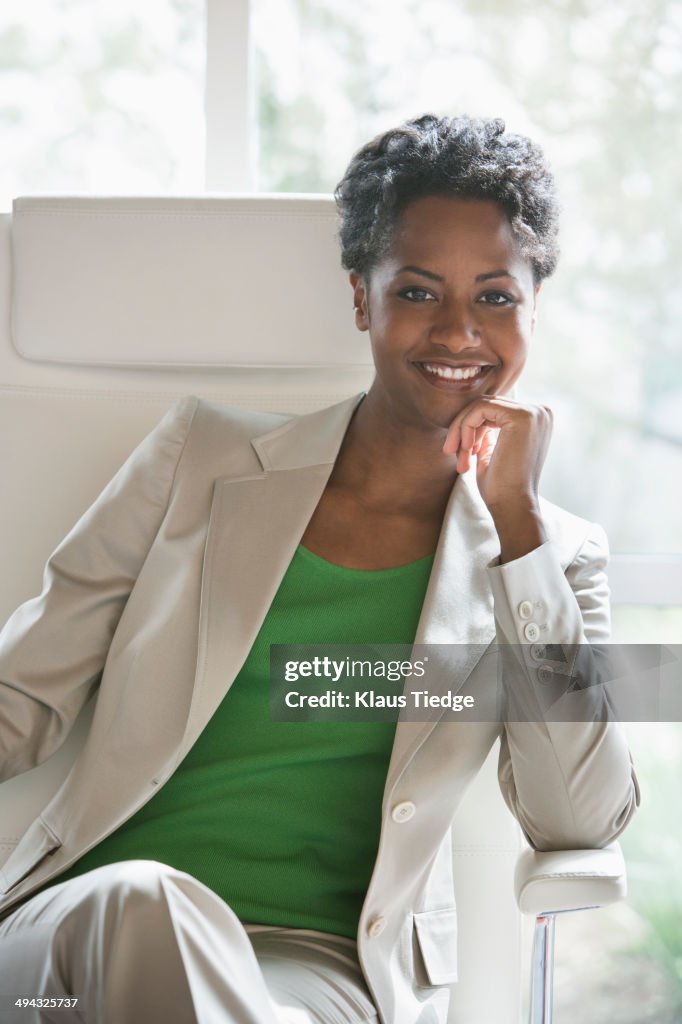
(542, 970)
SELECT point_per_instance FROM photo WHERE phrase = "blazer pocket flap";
(437, 936)
(35, 844)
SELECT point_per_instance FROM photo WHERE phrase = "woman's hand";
(510, 442)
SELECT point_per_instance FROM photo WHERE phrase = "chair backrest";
(110, 310)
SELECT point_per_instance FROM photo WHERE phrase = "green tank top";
(282, 819)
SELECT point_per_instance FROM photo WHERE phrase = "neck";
(393, 463)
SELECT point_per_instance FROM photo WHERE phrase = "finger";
(466, 453)
(484, 411)
(470, 435)
(486, 448)
(453, 438)
(463, 435)
(497, 404)
(478, 433)
(467, 436)
(463, 460)
(481, 434)
(490, 411)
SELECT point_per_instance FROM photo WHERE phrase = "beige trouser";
(141, 943)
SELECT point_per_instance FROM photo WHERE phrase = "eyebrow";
(495, 273)
(424, 273)
(437, 277)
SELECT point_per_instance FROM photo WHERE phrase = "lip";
(445, 384)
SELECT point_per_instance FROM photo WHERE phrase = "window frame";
(229, 98)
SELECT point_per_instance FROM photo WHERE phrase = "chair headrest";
(238, 281)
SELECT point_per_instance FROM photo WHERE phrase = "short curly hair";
(463, 157)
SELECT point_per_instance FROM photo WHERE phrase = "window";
(101, 97)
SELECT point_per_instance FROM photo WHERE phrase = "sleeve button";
(545, 674)
(525, 609)
(376, 927)
(403, 811)
(532, 632)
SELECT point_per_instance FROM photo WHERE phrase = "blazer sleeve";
(570, 784)
(54, 646)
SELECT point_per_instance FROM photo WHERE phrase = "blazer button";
(546, 674)
(376, 927)
(532, 632)
(538, 651)
(525, 609)
(403, 811)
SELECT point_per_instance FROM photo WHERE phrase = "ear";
(360, 301)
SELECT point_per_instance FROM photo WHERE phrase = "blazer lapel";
(457, 620)
(255, 526)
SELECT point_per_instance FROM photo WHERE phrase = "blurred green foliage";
(652, 845)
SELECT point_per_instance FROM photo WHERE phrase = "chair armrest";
(562, 880)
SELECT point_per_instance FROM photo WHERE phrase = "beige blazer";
(154, 599)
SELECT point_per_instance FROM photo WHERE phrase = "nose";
(455, 328)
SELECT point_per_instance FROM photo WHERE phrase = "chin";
(441, 414)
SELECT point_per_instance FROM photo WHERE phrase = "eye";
(497, 299)
(415, 294)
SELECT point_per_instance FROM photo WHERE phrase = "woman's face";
(450, 309)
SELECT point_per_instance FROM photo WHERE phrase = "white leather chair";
(110, 310)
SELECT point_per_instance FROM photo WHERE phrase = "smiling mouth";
(444, 375)
(454, 372)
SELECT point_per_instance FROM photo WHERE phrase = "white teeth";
(453, 372)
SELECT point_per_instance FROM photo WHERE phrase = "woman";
(202, 862)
